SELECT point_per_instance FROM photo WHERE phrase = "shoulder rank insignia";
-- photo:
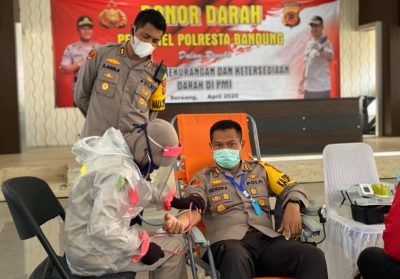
(113, 61)
(149, 64)
(121, 51)
(91, 54)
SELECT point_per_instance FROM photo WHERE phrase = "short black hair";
(224, 125)
(151, 16)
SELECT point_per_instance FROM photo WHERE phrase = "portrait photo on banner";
(214, 51)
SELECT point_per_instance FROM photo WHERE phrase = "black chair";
(32, 203)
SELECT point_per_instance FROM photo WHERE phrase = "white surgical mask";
(141, 49)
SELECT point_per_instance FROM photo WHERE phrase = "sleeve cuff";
(144, 248)
(167, 201)
(296, 196)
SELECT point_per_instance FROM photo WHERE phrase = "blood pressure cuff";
(184, 203)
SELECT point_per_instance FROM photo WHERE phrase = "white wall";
(357, 53)
(49, 126)
(45, 125)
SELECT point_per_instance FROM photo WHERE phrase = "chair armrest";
(198, 237)
(311, 226)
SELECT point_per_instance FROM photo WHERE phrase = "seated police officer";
(233, 195)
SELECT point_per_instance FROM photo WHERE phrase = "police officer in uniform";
(75, 53)
(234, 195)
(119, 85)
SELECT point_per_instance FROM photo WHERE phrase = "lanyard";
(256, 205)
(239, 186)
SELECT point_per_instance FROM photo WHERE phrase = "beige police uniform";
(114, 90)
(229, 214)
(76, 52)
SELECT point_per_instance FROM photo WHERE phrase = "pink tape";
(170, 151)
(133, 197)
(170, 196)
(144, 248)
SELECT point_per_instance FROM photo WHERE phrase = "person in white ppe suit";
(110, 192)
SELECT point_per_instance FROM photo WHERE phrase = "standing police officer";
(120, 85)
(75, 53)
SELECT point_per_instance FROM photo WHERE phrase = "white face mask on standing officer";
(141, 49)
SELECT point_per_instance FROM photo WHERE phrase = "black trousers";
(259, 255)
(374, 263)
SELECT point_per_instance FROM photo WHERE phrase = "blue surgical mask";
(227, 158)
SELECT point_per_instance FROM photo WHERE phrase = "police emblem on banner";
(291, 12)
(112, 16)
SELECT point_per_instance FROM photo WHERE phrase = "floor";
(18, 258)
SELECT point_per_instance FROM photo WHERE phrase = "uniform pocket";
(141, 97)
(106, 83)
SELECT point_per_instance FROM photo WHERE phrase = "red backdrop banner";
(221, 50)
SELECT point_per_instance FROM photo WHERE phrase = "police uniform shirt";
(76, 52)
(113, 90)
(229, 214)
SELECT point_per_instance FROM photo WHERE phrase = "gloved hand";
(184, 203)
(153, 254)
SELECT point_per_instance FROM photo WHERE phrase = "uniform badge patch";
(144, 91)
(149, 79)
(215, 199)
(216, 181)
(141, 101)
(253, 175)
(253, 191)
(149, 64)
(195, 182)
(226, 196)
(108, 75)
(262, 202)
(221, 208)
(91, 54)
(104, 86)
(113, 61)
(122, 51)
